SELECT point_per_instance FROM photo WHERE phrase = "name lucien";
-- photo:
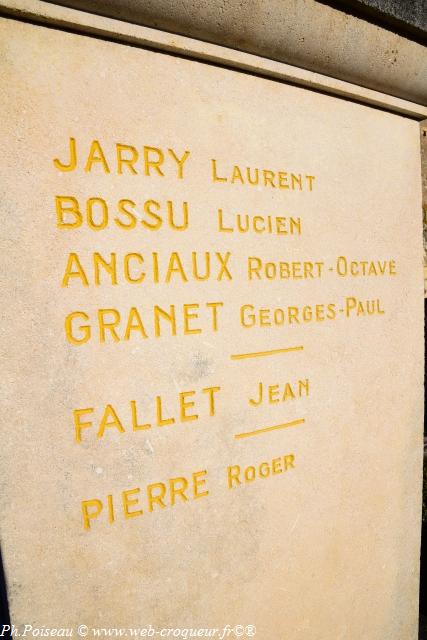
(97, 214)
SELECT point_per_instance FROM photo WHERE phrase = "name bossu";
(98, 214)
(157, 496)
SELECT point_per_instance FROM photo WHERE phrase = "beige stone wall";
(423, 145)
(297, 33)
(324, 523)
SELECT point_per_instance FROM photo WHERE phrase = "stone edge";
(326, 36)
(90, 24)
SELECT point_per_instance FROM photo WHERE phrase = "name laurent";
(254, 176)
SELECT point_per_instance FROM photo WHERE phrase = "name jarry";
(152, 214)
(125, 158)
(136, 267)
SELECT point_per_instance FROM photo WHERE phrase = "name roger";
(157, 496)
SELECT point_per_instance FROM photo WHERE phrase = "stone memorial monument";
(212, 300)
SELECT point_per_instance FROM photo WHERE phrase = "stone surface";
(306, 34)
(40, 12)
(410, 14)
(423, 145)
(327, 548)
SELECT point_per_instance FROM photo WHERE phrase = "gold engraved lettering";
(258, 269)
(258, 224)
(254, 176)
(154, 497)
(98, 215)
(278, 393)
(154, 161)
(186, 406)
(238, 475)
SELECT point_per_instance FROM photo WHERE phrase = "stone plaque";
(212, 298)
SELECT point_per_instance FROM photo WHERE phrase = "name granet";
(112, 325)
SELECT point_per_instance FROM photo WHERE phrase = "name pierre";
(157, 496)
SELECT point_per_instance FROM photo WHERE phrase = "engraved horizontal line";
(258, 354)
(256, 432)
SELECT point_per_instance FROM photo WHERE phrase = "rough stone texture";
(411, 14)
(306, 34)
(328, 549)
(65, 18)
